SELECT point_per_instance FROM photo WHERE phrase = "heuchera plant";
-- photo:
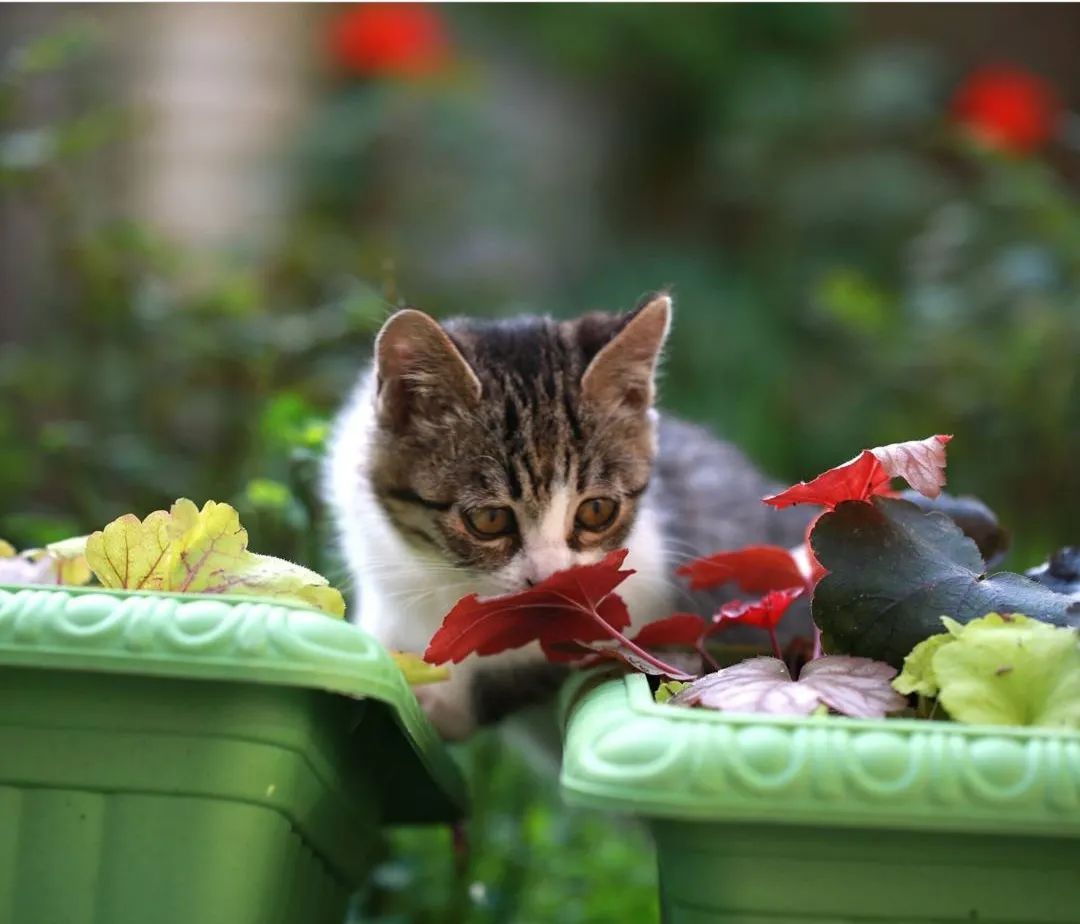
(180, 550)
(881, 571)
(186, 550)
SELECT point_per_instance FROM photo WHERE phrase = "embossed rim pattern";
(202, 637)
(625, 752)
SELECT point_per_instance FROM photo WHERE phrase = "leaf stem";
(777, 651)
(648, 658)
(593, 613)
(705, 656)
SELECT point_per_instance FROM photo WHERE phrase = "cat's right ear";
(418, 368)
(623, 373)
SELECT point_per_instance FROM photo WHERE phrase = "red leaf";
(393, 39)
(681, 629)
(858, 479)
(685, 629)
(1007, 108)
(811, 569)
(765, 613)
(569, 605)
(756, 569)
(920, 462)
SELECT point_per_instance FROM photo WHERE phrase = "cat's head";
(521, 447)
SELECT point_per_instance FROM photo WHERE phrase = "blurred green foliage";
(848, 272)
(525, 857)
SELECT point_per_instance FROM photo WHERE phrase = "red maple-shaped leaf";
(858, 479)
(681, 629)
(811, 569)
(919, 462)
(1007, 108)
(573, 605)
(765, 613)
(755, 568)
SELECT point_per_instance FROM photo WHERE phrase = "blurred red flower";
(389, 39)
(1007, 108)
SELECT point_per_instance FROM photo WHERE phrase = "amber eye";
(490, 522)
(596, 513)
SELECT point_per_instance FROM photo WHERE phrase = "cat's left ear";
(419, 370)
(623, 373)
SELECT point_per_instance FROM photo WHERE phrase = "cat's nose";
(543, 562)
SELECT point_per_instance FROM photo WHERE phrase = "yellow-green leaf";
(918, 673)
(130, 553)
(188, 550)
(417, 671)
(1001, 669)
(69, 556)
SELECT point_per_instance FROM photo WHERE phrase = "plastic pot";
(171, 759)
(768, 819)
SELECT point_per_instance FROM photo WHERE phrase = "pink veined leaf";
(856, 687)
(754, 685)
(921, 463)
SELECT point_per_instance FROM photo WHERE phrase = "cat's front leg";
(449, 704)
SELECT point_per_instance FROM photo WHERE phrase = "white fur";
(401, 595)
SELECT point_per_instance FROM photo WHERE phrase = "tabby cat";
(481, 456)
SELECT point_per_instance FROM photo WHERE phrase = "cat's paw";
(452, 718)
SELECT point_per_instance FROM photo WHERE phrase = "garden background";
(868, 216)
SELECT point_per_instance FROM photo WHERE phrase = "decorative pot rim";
(626, 752)
(236, 639)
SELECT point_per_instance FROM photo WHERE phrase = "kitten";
(481, 456)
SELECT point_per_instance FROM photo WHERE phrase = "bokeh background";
(868, 216)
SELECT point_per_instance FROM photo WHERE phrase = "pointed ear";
(622, 374)
(418, 368)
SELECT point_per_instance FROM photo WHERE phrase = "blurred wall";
(222, 90)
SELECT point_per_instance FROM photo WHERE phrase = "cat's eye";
(597, 513)
(490, 522)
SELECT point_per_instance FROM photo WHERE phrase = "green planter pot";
(177, 759)
(771, 820)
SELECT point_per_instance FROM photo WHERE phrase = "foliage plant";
(884, 576)
(181, 550)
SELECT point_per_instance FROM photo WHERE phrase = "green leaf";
(894, 571)
(670, 688)
(1001, 669)
(187, 550)
(918, 674)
